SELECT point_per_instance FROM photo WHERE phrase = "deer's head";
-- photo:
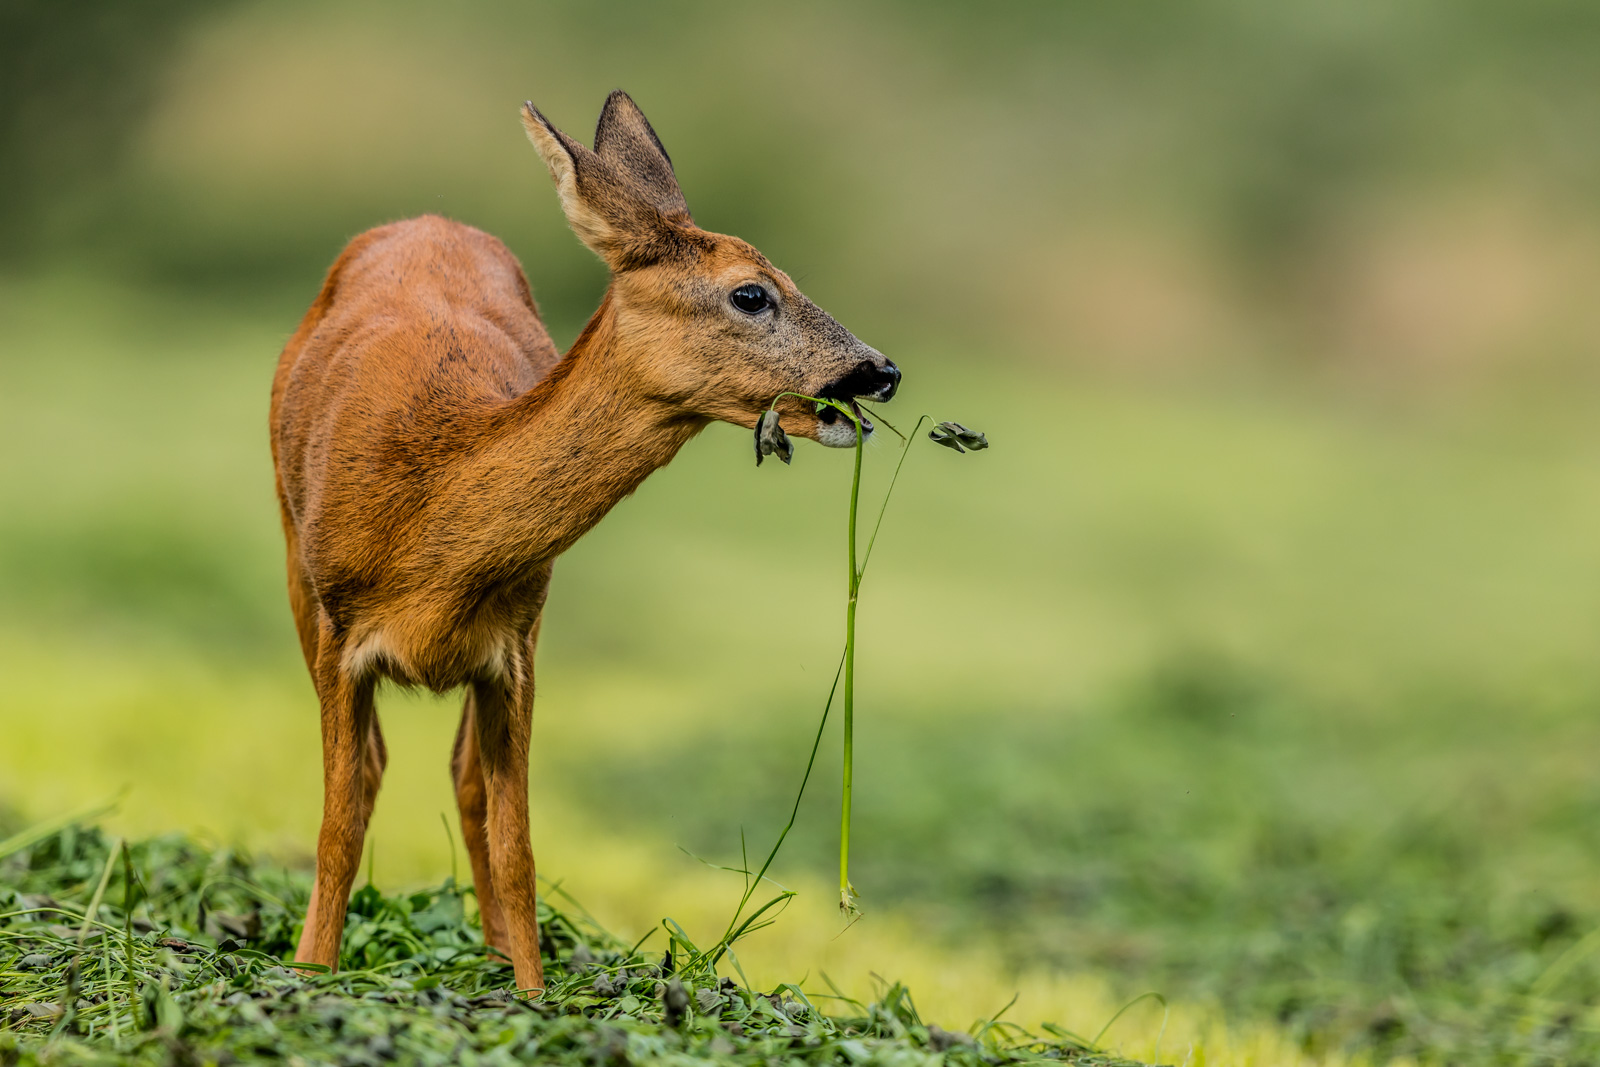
(714, 327)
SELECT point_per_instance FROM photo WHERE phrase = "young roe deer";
(435, 454)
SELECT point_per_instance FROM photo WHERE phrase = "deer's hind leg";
(353, 757)
(472, 798)
(374, 762)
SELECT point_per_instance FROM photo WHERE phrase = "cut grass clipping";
(165, 952)
(771, 440)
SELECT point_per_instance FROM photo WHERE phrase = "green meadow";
(1253, 703)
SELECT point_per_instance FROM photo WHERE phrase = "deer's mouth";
(867, 381)
(829, 415)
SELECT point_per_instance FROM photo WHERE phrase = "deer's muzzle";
(868, 380)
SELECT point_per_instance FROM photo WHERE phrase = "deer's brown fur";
(435, 454)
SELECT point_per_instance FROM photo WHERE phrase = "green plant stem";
(905, 450)
(847, 899)
(847, 902)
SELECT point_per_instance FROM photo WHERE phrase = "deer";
(435, 453)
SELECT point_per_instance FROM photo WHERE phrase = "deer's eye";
(750, 299)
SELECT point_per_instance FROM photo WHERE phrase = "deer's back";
(422, 331)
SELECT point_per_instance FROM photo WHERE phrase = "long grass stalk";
(847, 893)
(769, 439)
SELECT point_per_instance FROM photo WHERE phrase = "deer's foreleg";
(472, 798)
(352, 768)
(503, 715)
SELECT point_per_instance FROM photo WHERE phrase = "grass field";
(1282, 707)
(163, 951)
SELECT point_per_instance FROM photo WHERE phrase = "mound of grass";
(165, 951)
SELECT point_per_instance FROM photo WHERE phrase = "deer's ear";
(624, 139)
(604, 208)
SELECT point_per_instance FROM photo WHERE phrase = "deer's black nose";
(889, 376)
(866, 381)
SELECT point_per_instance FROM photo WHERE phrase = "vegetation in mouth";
(828, 413)
(771, 440)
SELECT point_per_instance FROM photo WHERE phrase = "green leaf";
(954, 435)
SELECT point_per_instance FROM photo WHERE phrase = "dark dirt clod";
(940, 1039)
(674, 1003)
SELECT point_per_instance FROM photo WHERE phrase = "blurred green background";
(1255, 663)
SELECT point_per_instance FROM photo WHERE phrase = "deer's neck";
(581, 440)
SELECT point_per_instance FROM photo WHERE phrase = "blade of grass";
(904, 451)
(1157, 997)
(794, 813)
(127, 936)
(50, 827)
(69, 991)
(983, 1027)
(99, 891)
(451, 838)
